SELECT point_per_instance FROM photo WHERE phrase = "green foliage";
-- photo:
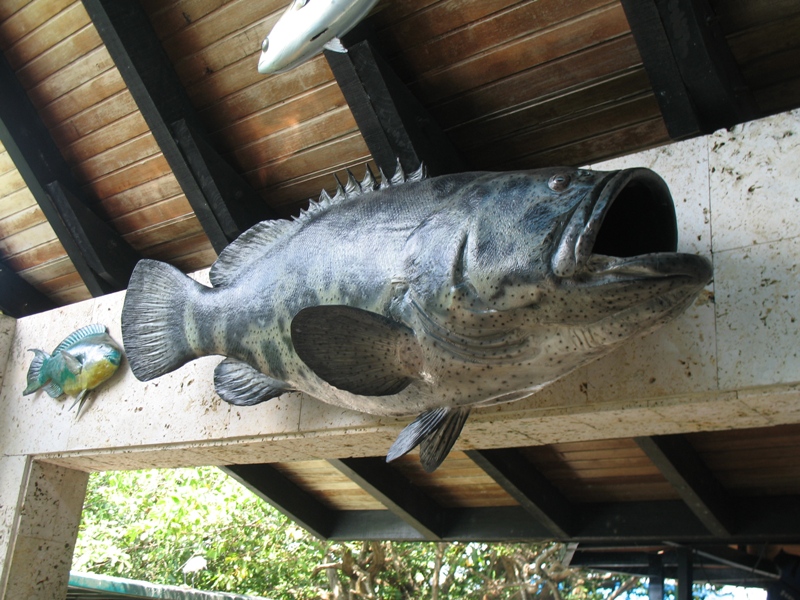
(146, 525)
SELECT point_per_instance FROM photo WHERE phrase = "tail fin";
(153, 327)
(34, 384)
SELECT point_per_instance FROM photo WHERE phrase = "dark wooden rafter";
(277, 490)
(400, 497)
(101, 257)
(644, 522)
(224, 203)
(526, 485)
(18, 298)
(393, 122)
(694, 75)
(694, 482)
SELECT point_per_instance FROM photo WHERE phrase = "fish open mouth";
(627, 230)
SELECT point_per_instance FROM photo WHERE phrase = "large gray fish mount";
(424, 296)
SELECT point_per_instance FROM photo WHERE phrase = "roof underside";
(142, 129)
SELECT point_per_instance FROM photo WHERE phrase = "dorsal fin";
(76, 336)
(247, 248)
(257, 240)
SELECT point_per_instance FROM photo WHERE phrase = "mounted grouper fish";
(426, 297)
(306, 28)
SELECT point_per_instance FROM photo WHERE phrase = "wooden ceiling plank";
(100, 255)
(394, 124)
(162, 100)
(694, 74)
(404, 500)
(532, 490)
(277, 490)
(697, 486)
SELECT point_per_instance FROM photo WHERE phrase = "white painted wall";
(730, 362)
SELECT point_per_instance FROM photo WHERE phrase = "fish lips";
(626, 231)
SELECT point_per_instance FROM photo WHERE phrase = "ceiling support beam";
(236, 205)
(399, 496)
(18, 298)
(393, 122)
(277, 490)
(646, 522)
(696, 80)
(694, 482)
(224, 203)
(100, 255)
(685, 573)
(655, 587)
(526, 485)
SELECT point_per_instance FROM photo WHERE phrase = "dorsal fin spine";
(261, 236)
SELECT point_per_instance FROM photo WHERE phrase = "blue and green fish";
(81, 362)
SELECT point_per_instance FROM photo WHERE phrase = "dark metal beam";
(129, 36)
(655, 586)
(394, 124)
(526, 485)
(694, 482)
(100, 255)
(18, 298)
(397, 494)
(685, 574)
(629, 558)
(694, 75)
(277, 490)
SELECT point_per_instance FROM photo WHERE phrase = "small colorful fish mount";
(81, 362)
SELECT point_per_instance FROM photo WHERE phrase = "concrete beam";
(730, 362)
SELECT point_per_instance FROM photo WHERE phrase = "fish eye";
(298, 4)
(558, 183)
(265, 44)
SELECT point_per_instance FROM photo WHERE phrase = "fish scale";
(429, 297)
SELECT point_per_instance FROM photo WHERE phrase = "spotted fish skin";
(425, 297)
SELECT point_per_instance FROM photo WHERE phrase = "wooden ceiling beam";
(18, 298)
(223, 201)
(646, 522)
(276, 489)
(393, 122)
(397, 494)
(100, 255)
(694, 482)
(520, 479)
(696, 80)
(619, 523)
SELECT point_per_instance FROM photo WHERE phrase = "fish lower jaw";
(646, 267)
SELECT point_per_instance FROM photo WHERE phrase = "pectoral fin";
(355, 350)
(435, 431)
(72, 364)
(238, 383)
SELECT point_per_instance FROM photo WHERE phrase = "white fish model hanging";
(306, 28)
(425, 296)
